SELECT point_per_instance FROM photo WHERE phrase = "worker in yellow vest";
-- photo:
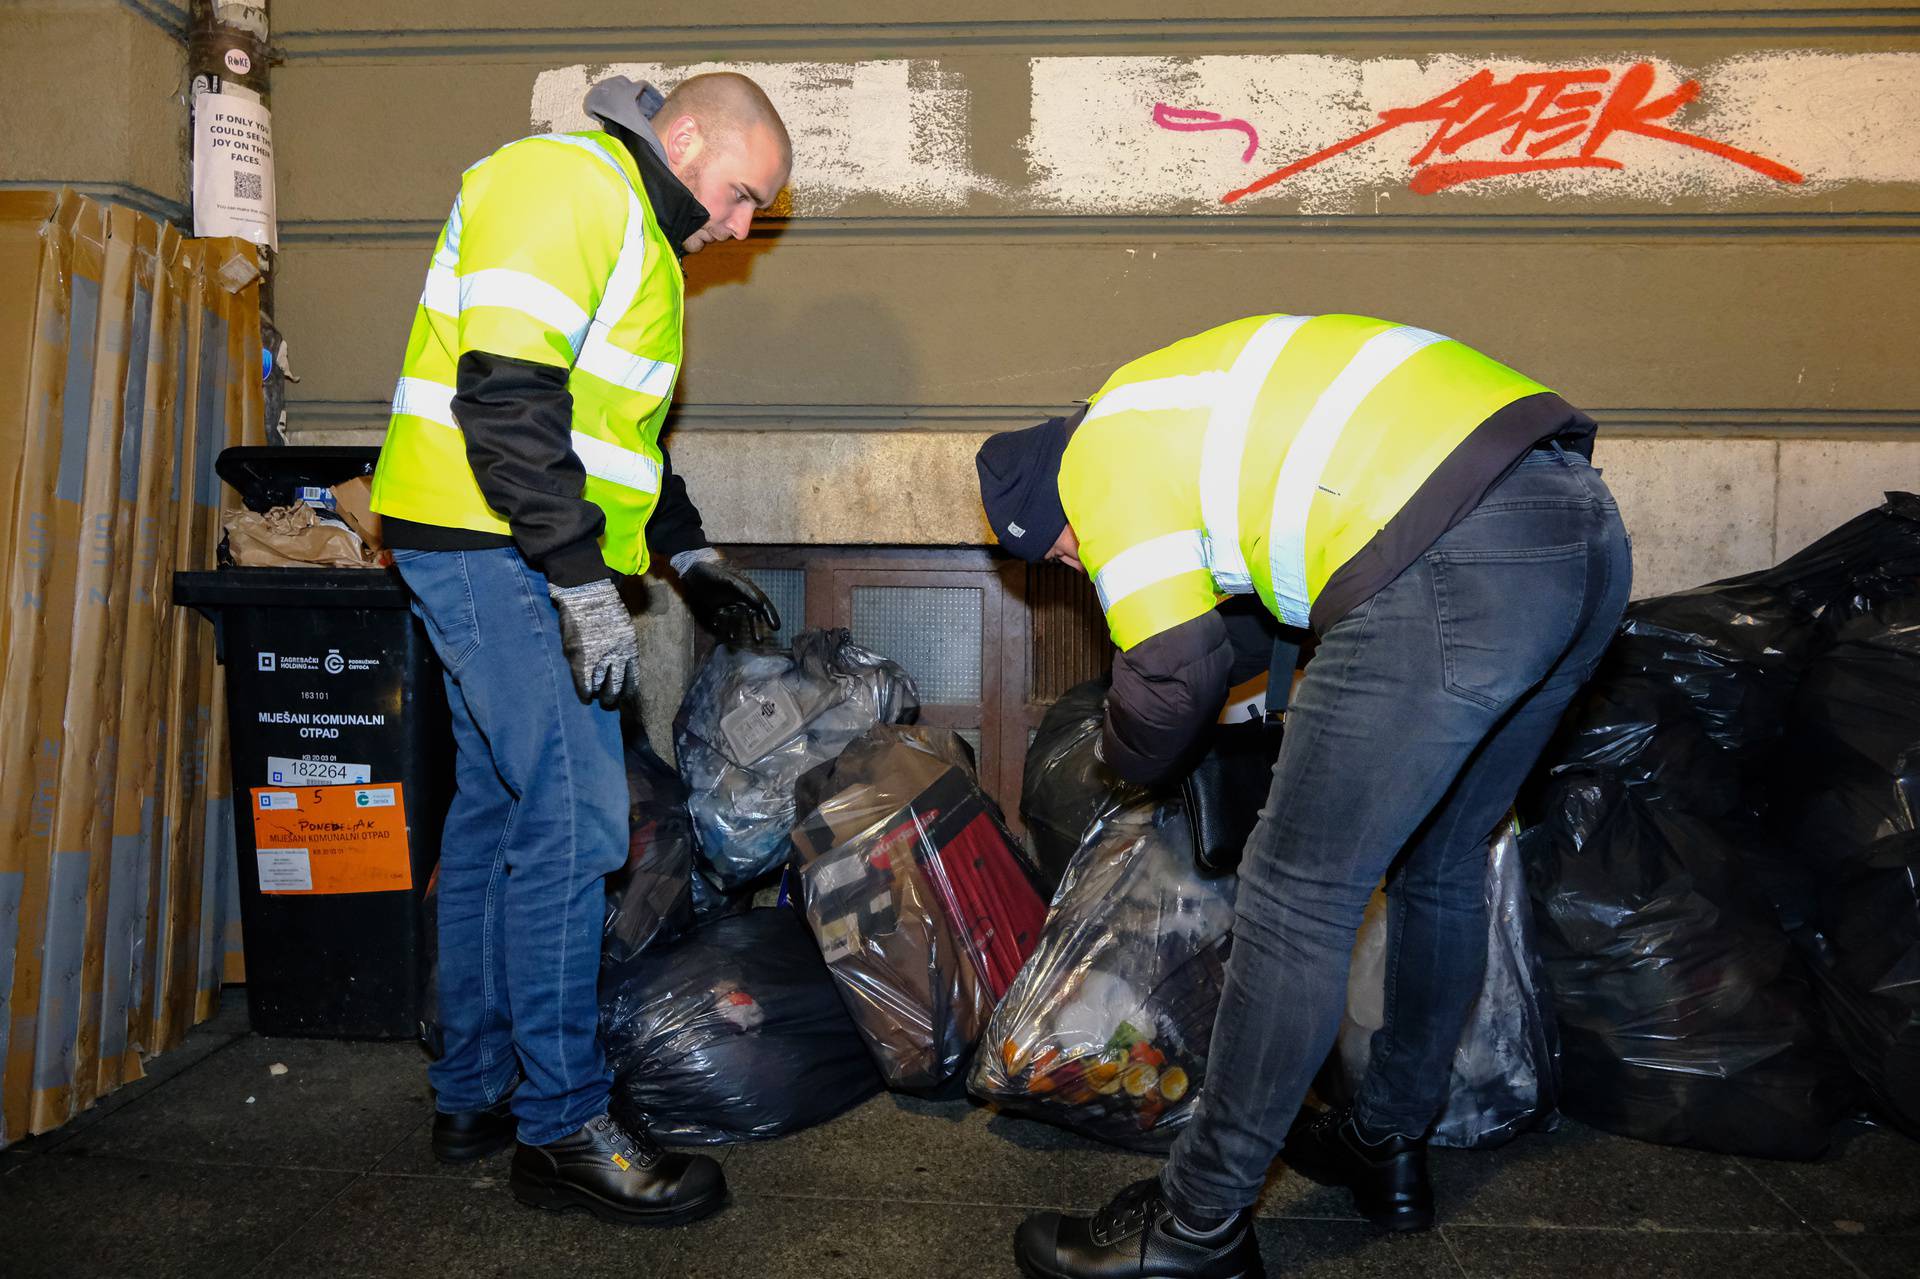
(522, 472)
(1433, 518)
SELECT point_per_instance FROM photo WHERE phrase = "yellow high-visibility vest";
(605, 301)
(1260, 456)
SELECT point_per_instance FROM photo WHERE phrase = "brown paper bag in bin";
(355, 500)
(294, 537)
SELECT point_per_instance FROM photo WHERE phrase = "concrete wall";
(991, 210)
(95, 97)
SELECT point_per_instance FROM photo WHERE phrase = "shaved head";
(728, 106)
(726, 143)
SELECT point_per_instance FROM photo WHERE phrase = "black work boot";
(618, 1176)
(472, 1134)
(1388, 1177)
(1136, 1237)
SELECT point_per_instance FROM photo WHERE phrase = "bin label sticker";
(271, 799)
(333, 839)
(315, 772)
(285, 870)
(766, 717)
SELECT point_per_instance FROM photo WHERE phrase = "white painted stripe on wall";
(1094, 145)
(894, 128)
(898, 129)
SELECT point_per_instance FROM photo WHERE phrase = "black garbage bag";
(1856, 823)
(1686, 1016)
(1107, 1028)
(650, 899)
(733, 1033)
(1064, 785)
(1506, 1069)
(1675, 812)
(755, 720)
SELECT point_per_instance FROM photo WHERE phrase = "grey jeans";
(1412, 729)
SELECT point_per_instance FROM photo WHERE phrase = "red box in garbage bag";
(918, 897)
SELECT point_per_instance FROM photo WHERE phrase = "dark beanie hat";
(1020, 486)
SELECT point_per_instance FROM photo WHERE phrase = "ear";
(681, 138)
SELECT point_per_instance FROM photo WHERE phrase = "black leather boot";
(1388, 1178)
(618, 1176)
(472, 1134)
(1136, 1237)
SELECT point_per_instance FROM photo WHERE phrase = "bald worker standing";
(521, 474)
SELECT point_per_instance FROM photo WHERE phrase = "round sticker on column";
(238, 62)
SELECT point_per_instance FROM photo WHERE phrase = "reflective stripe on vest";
(433, 401)
(1147, 563)
(1181, 391)
(596, 355)
(1307, 454)
(450, 294)
(1225, 445)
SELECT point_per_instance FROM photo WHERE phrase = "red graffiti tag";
(1543, 114)
(1185, 120)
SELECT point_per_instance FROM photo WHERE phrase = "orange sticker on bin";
(331, 839)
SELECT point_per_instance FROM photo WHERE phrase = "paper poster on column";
(233, 169)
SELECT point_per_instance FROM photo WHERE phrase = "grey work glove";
(596, 632)
(725, 601)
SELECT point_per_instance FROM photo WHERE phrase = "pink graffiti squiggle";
(1191, 120)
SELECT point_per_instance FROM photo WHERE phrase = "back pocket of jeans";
(1505, 616)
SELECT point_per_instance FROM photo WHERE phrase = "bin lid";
(295, 588)
(267, 475)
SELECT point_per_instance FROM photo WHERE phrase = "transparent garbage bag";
(1506, 1067)
(1106, 1029)
(920, 900)
(755, 720)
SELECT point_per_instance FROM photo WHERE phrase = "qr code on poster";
(246, 186)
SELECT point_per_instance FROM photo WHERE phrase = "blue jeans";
(1412, 729)
(539, 819)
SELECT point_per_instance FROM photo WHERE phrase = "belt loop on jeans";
(1558, 451)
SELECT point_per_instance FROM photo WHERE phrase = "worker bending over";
(1433, 517)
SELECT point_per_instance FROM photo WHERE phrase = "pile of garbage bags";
(921, 901)
(733, 1033)
(755, 720)
(1724, 859)
(1107, 1030)
(1506, 1067)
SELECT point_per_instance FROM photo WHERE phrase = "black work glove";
(728, 603)
(596, 632)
